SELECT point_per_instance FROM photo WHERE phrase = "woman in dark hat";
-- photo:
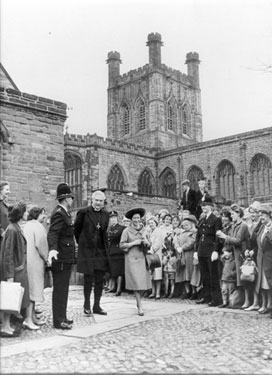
(13, 262)
(136, 274)
(116, 255)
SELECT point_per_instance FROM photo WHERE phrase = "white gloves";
(195, 256)
(214, 256)
(53, 254)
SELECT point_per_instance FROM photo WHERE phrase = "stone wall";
(32, 150)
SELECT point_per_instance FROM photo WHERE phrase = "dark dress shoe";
(87, 312)
(99, 311)
(63, 325)
(193, 296)
(118, 294)
(213, 304)
(201, 300)
(8, 335)
(69, 321)
(223, 305)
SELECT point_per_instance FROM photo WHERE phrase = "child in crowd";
(228, 275)
(169, 261)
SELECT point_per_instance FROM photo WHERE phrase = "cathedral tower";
(155, 105)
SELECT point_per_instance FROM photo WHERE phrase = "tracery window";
(125, 118)
(226, 180)
(73, 176)
(169, 116)
(195, 174)
(185, 120)
(116, 179)
(142, 115)
(145, 183)
(260, 172)
(168, 184)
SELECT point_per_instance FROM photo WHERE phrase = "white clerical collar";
(63, 207)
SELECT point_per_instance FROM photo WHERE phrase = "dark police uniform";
(61, 238)
(206, 243)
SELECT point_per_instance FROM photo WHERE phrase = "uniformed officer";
(61, 254)
(207, 247)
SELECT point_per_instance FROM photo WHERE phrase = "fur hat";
(64, 191)
(191, 218)
(207, 201)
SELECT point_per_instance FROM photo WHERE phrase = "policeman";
(61, 254)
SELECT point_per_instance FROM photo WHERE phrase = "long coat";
(13, 262)
(206, 240)
(136, 274)
(37, 254)
(186, 240)
(190, 203)
(90, 230)
(239, 239)
(4, 221)
(264, 257)
(61, 235)
(116, 255)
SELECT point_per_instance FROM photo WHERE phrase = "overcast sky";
(58, 49)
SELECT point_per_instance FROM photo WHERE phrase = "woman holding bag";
(13, 261)
(136, 274)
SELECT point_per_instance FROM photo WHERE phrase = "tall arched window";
(194, 174)
(145, 183)
(116, 179)
(73, 176)
(260, 174)
(168, 184)
(125, 118)
(186, 118)
(169, 116)
(226, 180)
(141, 115)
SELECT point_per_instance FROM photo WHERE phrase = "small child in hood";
(228, 278)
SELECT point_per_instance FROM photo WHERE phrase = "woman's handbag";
(180, 263)
(11, 295)
(152, 261)
(248, 271)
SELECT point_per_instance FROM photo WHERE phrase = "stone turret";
(154, 43)
(114, 62)
(192, 61)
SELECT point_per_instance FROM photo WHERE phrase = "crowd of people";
(220, 256)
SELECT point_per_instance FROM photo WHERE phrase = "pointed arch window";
(168, 184)
(145, 183)
(170, 116)
(185, 120)
(260, 173)
(141, 114)
(116, 179)
(125, 118)
(226, 180)
(195, 174)
(73, 176)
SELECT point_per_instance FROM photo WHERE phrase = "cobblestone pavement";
(174, 336)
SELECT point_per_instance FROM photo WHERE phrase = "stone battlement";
(140, 72)
(22, 99)
(114, 55)
(192, 56)
(95, 140)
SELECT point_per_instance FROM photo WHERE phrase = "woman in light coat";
(155, 240)
(132, 240)
(184, 245)
(37, 254)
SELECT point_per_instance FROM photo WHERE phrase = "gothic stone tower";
(154, 105)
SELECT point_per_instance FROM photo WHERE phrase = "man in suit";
(200, 195)
(61, 254)
(188, 201)
(91, 235)
(207, 249)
